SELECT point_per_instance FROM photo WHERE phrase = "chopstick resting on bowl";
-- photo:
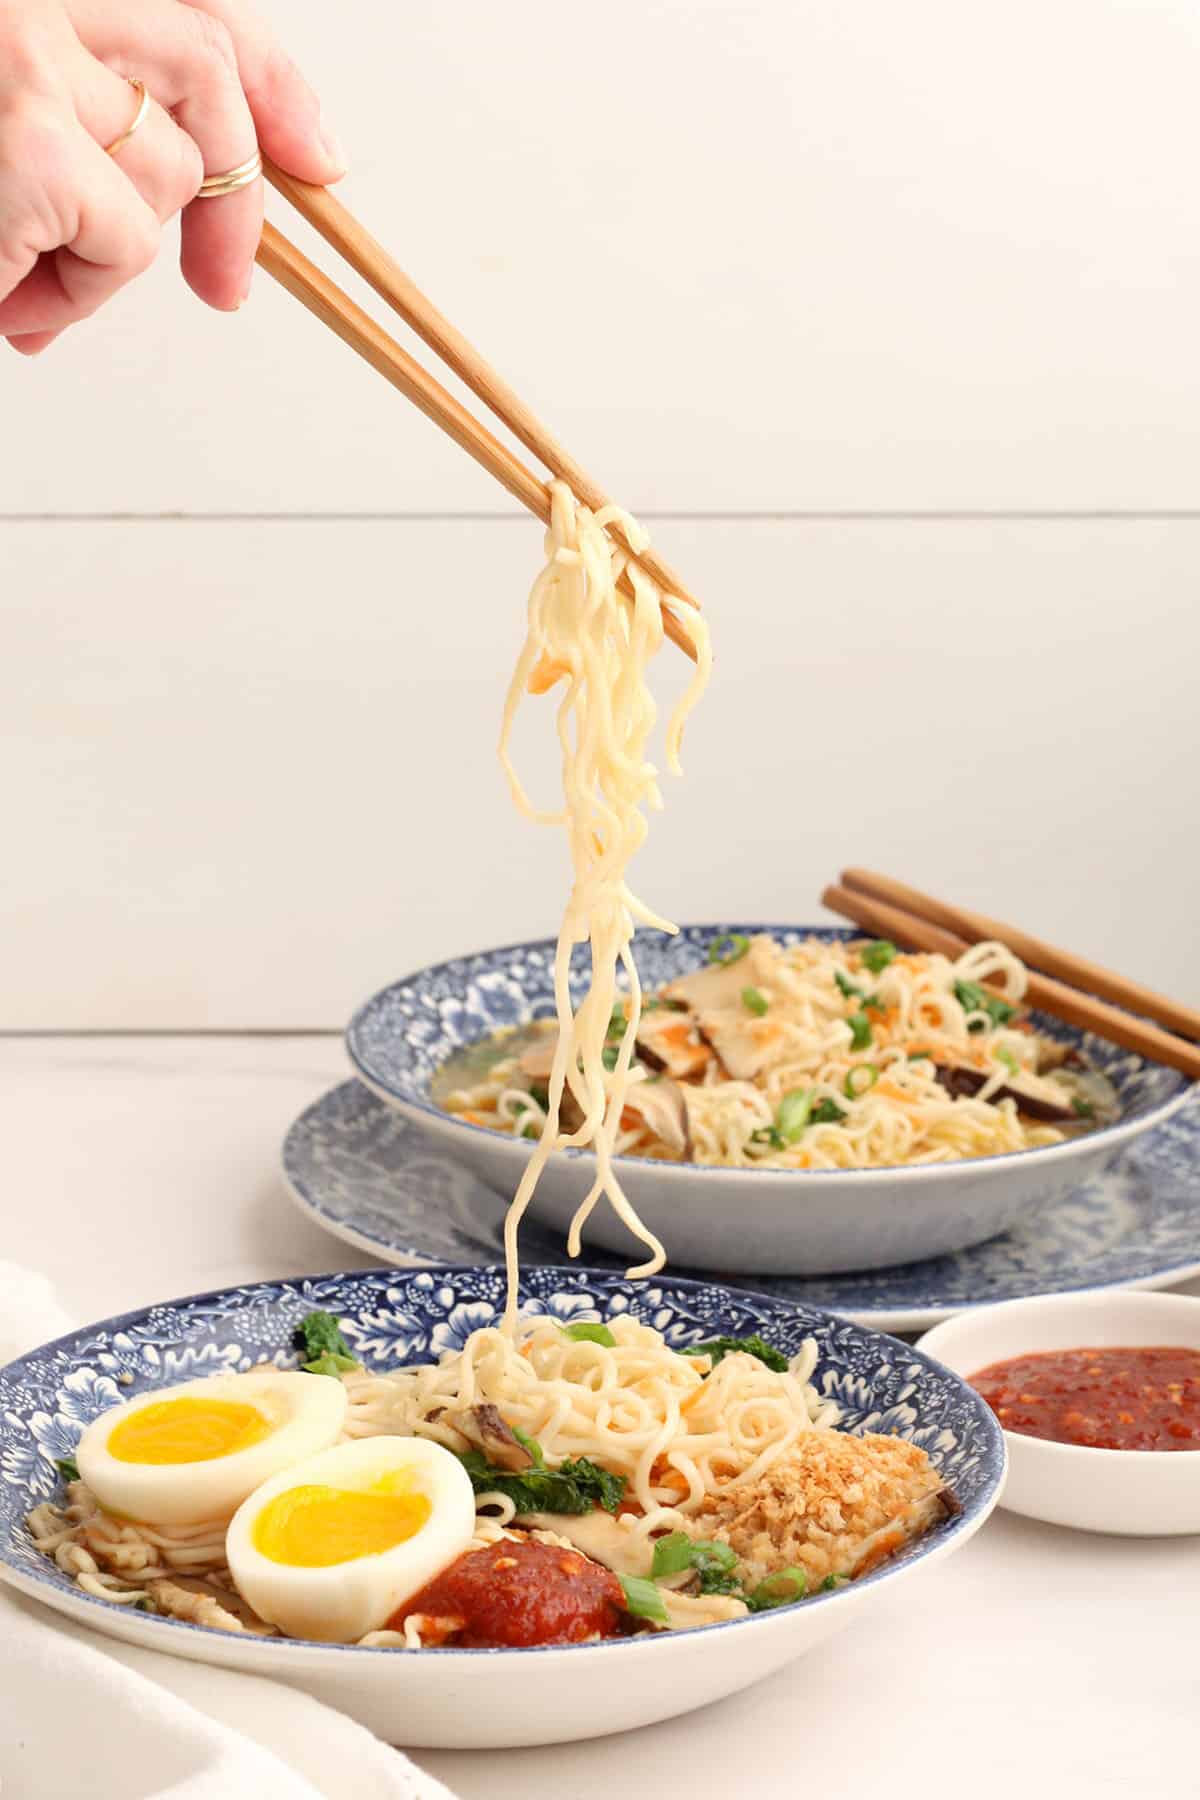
(329, 303)
(889, 909)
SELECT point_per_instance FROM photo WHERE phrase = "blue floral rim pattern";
(373, 1177)
(400, 1037)
(393, 1317)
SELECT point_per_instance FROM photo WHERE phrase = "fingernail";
(334, 148)
(245, 295)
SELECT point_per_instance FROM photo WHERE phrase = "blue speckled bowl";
(755, 1221)
(478, 1698)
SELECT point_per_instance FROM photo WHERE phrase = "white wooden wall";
(884, 316)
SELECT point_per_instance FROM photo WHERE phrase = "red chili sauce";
(519, 1593)
(1130, 1398)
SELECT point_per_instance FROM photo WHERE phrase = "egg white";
(343, 1602)
(306, 1413)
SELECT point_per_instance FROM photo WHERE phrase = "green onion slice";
(590, 1331)
(860, 1080)
(728, 949)
(672, 1554)
(755, 1000)
(643, 1599)
(783, 1589)
(1008, 1059)
(878, 955)
(826, 1112)
(860, 1030)
(609, 1055)
(791, 1119)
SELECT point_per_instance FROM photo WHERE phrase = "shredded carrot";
(545, 672)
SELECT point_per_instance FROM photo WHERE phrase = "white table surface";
(1039, 1660)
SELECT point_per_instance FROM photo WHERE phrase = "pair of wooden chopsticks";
(1067, 986)
(314, 289)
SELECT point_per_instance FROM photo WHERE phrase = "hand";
(75, 223)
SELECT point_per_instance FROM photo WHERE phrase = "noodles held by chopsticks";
(585, 633)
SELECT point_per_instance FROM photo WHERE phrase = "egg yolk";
(315, 1527)
(187, 1430)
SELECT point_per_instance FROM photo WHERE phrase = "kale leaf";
(576, 1486)
(719, 1348)
(326, 1350)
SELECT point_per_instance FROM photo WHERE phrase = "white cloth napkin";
(81, 1714)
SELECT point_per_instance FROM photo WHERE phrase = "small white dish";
(1133, 1493)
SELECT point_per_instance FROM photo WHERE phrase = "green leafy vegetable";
(67, 1467)
(590, 1331)
(860, 1030)
(1083, 1109)
(728, 949)
(712, 1561)
(576, 1486)
(878, 955)
(826, 1112)
(791, 1115)
(326, 1350)
(643, 1599)
(609, 1055)
(860, 1080)
(541, 1095)
(782, 1589)
(766, 1137)
(754, 1000)
(847, 987)
(721, 1347)
(976, 999)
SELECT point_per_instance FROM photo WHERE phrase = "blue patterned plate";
(397, 1316)
(375, 1180)
(763, 1222)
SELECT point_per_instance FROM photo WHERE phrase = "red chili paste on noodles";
(1132, 1397)
(520, 1593)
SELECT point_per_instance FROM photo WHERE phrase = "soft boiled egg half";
(332, 1547)
(182, 1455)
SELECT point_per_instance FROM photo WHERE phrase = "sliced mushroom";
(485, 1428)
(599, 1535)
(744, 1043)
(949, 1501)
(964, 1083)
(662, 1107)
(668, 1041)
(719, 985)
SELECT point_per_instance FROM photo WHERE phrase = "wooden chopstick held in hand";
(355, 245)
(975, 927)
(1054, 997)
(326, 301)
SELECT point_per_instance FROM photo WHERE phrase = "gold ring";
(139, 117)
(213, 187)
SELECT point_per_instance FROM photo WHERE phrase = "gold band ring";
(215, 186)
(139, 117)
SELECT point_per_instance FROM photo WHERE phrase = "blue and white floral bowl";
(483, 1698)
(757, 1221)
